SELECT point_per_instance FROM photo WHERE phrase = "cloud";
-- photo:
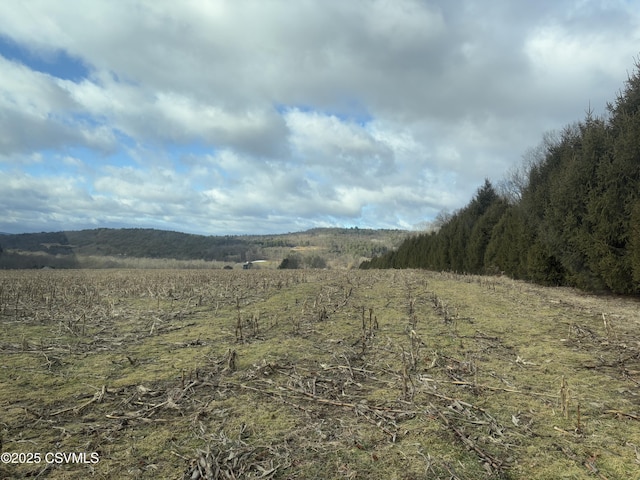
(253, 116)
(36, 112)
(338, 147)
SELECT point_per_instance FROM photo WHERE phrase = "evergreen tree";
(508, 247)
(634, 245)
(481, 235)
(612, 203)
(573, 219)
(566, 226)
(290, 262)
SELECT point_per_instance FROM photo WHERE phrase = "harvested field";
(314, 374)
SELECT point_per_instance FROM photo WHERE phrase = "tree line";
(569, 215)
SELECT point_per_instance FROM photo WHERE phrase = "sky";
(223, 117)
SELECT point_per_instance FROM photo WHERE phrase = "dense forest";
(569, 215)
(133, 242)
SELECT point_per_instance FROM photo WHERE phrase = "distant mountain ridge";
(164, 244)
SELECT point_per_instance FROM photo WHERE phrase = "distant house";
(248, 265)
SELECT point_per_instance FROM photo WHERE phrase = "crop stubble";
(316, 374)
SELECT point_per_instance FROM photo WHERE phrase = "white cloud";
(229, 116)
(333, 147)
(32, 93)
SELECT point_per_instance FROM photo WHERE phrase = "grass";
(316, 374)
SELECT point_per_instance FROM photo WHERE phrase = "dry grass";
(316, 374)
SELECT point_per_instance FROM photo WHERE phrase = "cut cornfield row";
(315, 374)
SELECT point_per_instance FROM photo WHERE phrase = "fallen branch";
(97, 397)
(494, 464)
(501, 389)
(318, 399)
(623, 414)
(564, 432)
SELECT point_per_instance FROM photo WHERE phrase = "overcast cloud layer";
(267, 116)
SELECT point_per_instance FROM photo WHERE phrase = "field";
(314, 374)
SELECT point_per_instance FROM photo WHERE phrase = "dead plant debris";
(316, 374)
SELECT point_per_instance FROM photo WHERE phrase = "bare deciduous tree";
(516, 179)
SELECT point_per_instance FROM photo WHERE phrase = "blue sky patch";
(57, 63)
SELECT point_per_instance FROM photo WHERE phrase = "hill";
(105, 247)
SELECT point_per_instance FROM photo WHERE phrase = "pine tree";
(509, 244)
(613, 200)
